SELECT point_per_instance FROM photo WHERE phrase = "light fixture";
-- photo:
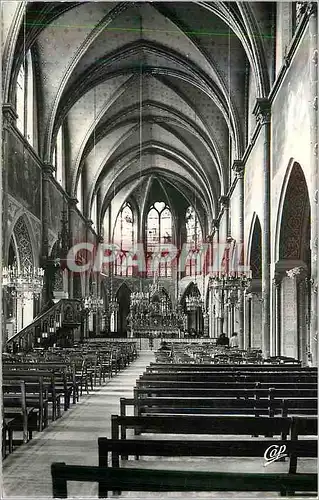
(193, 302)
(23, 284)
(92, 303)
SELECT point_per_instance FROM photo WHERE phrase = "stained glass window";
(25, 98)
(194, 240)
(124, 238)
(158, 231)
(20, 96)
(58, 157)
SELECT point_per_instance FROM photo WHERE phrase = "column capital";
(48, 169)
(262, 110)
(311, 9)
(224, 201)
(210, 237)
(277, 280)
(299, 273)
(215, 224)
(73, 201)
(239, 168)
(9, 114)
(89, 223)
(100, 238)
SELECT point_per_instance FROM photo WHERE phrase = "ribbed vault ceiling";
(147, 89)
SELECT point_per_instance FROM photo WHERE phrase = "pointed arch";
(22, 234)
(293, 219)
(123, 296)
(255, 246)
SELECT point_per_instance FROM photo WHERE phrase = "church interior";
(159, 222)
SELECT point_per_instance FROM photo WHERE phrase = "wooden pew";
(195, 424)
(257, 393)
(180, 367)
(62, 383)
(164, 481)
(227, 385)
(257, 407)
(224, 376)
(22, 417)
(172, 448)
(35, 397)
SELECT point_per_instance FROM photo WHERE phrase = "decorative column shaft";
(262, 110)
(47, 175)
(239, 168)
(72, 216)
(224, 202)
(9, 118)
(277, 316)
(313, 70)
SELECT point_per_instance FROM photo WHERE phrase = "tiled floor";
(73, 440)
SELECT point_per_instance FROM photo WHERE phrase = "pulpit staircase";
(56, 326)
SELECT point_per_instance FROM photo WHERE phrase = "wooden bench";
(256, 393)
(172, 448)
(60, 381)
(185, 367)
(195, 424)
(20, 416)
(118, 479)
(230, 377)
(35, 397)
(227, 385)
(222, 406)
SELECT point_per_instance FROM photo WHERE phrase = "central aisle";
(71, 439)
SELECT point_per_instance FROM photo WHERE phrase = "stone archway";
(293, 270)
(195, 320)
(123, 296)
(21, 255)
(253, 300)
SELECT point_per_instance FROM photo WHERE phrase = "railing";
(65, 313)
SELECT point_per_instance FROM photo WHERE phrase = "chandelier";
(92, 303)
(113, 306)
(193, 302)
(26, 283)
(230, 281)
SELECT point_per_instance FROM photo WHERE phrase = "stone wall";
(24, 175)
(291, 128)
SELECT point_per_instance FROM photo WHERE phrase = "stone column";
(313, 70)
(9, 118)
(247, 312)
(262, 110)
(239, 168)
(302, 320)
(277, 316)
(211, 317)
(47, 176)
(224, 201)
(72, 225)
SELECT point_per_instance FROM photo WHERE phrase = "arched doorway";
(123, 297)
(293, 269)
(253, 302)
(192, 306)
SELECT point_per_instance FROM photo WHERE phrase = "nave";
(160, 182)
